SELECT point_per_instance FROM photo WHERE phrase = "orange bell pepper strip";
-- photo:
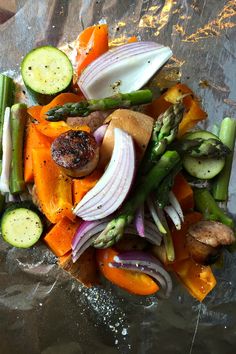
(53, 188)
(60, 236)
(33, 140)
(90, 44)
(199, 280)
(54, 129)
(134, 282)
(193, 112)
(179, 236)
(83, 185)
(183, 192)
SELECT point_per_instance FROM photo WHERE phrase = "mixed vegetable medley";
(114, 178)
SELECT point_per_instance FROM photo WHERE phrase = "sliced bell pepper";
(53, 188)
(179, 236)
(134, 282)
(60, 236)
(90, 44)
(82, 185)
(183, 192)
(198, 279)
(193, 112)
(54, 129)
(33, 140)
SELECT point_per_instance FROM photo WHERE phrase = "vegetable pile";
(113, 180)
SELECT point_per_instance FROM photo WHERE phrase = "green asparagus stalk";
(227, 135)
(164, 132)
(84, 108)
(18, 121)
(206, 204)
(161, 194)
(6, 100)
(115, 229)
(204, 148)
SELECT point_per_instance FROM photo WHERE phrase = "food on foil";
(114, 177)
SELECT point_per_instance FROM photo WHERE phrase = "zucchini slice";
(203, 168)
(199, 167)
(46, 72)
(21, 227)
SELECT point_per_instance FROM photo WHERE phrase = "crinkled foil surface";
(42, 310)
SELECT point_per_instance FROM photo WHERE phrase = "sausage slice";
(76, 152)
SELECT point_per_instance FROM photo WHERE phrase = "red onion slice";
(113, 187)
(99, 133)
(129, 66)
(110, 192)
(143, 261)
(139, 221)
(112, 56)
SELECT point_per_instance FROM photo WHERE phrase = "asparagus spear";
(208, 148)
(6, 100)
(115, 228)
(164, 132)
(206, 204)
(18, 121)
(84, 108)
(227, 135)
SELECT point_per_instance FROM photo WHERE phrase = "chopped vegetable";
(139, 221)
(177, 93)
(84, 270)
(115, 229)
(6, 100)
(164, 132)
(54, 129)
(46, 71)
(136, 124)
(144, 262)
(227, 135)
(179, 236)
(183, 192)
(134, 282)
(18, 121)
(84, 108)
(206, 204)
(90, 44)
(114, 185)
(203, 168)
(33, 140)
(123, 69)
(21, 226)
(198, 279)
(82, 185)
(205, 240)
(6, 153)
(60, 236)
(53, 188)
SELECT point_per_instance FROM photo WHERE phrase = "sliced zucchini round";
(202, 168)
(21, 227)
(46, 72)
(200, 134)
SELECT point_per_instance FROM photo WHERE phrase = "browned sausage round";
(76, 152)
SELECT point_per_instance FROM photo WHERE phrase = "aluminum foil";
(43, 310)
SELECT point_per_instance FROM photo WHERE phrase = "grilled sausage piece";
(76, 152)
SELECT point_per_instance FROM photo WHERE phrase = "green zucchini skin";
(199, 167)
(46, 72)
(21, 225)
